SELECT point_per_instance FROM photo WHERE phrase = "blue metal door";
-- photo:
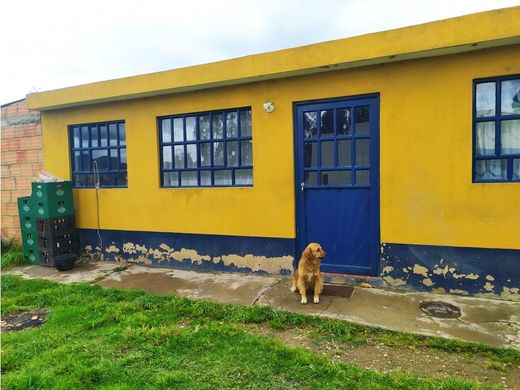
(337, 171)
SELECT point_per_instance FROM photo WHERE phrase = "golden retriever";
(308, 275)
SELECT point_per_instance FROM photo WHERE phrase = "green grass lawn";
(113, 339)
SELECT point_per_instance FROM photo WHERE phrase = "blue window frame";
(206, 149)
(336, 146)
(98, 154)
(496, 129)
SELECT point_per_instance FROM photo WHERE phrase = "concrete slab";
(482, 320)
(239, 289)
(83, 272)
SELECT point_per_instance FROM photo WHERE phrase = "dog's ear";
(307, 252)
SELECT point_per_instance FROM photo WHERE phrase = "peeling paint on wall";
(420, 270)
(394, 282)
(164, 253)
(453, 270)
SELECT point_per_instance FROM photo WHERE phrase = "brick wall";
(22, 159)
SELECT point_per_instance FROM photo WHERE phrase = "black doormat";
(338, 291)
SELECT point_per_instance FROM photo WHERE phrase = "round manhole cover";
(440, 309)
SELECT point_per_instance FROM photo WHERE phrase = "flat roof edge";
(444, 37)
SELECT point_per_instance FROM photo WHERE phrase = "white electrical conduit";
(96, 179)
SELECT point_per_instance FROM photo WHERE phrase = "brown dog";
(308, 275)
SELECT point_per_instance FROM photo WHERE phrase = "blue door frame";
(337, 182)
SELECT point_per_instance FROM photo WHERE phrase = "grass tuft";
(12, 256)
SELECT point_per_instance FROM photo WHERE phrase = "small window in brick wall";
(98, 154)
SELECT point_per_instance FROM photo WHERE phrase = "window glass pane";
(334, 178)
(85, 161)
(231, 125)
(191, 157)
(166, 128)
(122, 155)
(76, 167)
(205, 154)
(362, 177)
(516, 169)
(114, 159)
(510, 97)
(191, 128)
(345, 152)
(327, 123)
(107, 180)
(170, 179)
(167, 157)
(244, 177)
(310, 128)
(343, 121)
(80, 180)
(223, 178)
(100, 157)
(103, 135)
(362, 118)
(121, 179)
(245, 123)
(84, 137)
(188, 178)
(362, 152)
(178, 130)
(485, 99)
(247, 153)
(510, 136)
(122, 133)
(327, 154)
(205, 178)
(311, 178)
(178, 153)
(112, 130)
(495, 169)
(485, 139)
(204, 128)
(76, 137)
(217, 121)
(232, 154)
(218, 153)
(310, 154)
(94, 136)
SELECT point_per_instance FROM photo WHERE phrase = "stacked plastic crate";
(47, 222)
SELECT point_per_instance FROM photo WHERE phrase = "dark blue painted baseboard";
(459, 270)
(194, 251)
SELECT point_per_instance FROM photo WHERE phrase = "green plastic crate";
(53, 199)
(26, 207)
(27, 222)
(32, 254)
(30, 245)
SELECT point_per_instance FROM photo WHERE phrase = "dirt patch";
(22, 320)
(425, 362)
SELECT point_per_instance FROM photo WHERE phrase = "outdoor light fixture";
(269, 106)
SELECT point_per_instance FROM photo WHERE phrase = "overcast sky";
(49, 44)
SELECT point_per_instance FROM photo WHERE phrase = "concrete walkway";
(482, 320)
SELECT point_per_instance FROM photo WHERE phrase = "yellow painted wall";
(427, 195)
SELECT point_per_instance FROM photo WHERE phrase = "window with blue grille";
(496, 130)
(207, 149)
(98, 154)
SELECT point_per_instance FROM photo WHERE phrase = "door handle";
(302, 186)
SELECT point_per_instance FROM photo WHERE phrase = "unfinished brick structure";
(22, 159)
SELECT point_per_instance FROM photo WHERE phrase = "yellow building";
(398, 151)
